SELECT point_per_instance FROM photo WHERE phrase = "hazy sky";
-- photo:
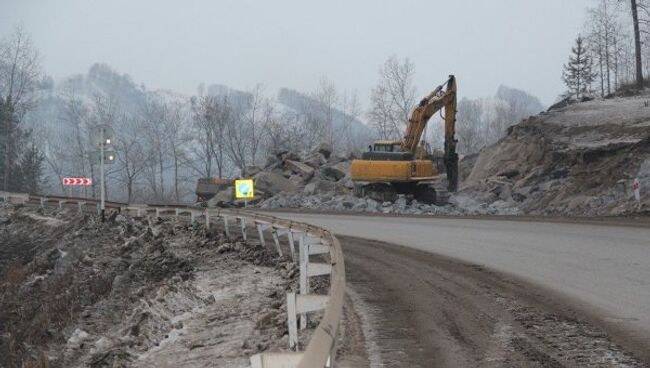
(293, 43)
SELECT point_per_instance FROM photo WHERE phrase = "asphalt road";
(605, 269)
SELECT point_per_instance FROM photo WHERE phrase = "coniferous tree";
(31, 169)
(577, 74)
(8, 144)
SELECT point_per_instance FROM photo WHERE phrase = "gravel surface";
(424, 310)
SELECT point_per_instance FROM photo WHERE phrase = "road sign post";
(77, 181)
(70, 183)
(244, 189)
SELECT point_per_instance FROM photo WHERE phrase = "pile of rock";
(320, 180)
(329, 201)
(307, 174)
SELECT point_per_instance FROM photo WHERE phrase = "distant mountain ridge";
(298, 101)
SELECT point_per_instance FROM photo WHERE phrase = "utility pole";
(102, 136)
(101, 172)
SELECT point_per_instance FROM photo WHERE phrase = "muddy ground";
(75, 292)
(421, 310)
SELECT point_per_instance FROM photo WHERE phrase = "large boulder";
(222, 198)
(272, 161)
(279, 153)
(271, 183)
(347, 182)
(300, 168)
(315, 160)
(372, 205)
(291, 156)
(319, 186)
(343, 166)
(336, 158)
(252, 170)
(325, 149)
(332, 173)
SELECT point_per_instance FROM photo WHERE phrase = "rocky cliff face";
(576, 160)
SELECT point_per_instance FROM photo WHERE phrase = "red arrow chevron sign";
(77, 181)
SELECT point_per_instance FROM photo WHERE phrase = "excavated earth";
(577, 160)
(75, 292)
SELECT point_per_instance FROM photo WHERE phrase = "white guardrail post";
(312, 241)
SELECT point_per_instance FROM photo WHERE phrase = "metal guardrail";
(321, 348)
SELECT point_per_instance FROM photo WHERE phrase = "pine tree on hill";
(577, 74)
(31, 169)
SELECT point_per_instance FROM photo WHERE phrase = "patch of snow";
(49, 221)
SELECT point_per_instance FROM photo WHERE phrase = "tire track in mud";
(432, 311)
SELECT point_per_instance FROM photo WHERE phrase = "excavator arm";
(420, 116)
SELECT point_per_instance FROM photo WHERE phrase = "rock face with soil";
(135, 292)
(576, 160)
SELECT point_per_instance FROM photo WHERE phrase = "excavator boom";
(428, 106)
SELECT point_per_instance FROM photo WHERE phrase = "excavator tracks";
(430, 193)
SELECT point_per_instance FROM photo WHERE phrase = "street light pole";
(101, 170)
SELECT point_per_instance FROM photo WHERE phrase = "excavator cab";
(387, 146)
(386, 150)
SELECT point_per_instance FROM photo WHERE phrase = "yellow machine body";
(393, 171)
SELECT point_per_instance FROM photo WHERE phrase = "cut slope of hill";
(577, 160)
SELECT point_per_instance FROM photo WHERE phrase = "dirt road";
(423, 310)
(595, 275)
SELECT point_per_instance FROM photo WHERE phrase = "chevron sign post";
(77, 181)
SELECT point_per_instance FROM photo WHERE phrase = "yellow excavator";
(406, 166)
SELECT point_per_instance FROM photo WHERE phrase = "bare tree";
(351, 109)
(326, 100)
(55, 150)
(79, 119)
(604, 38)
(260, 114)
(19, 71)
(245, 120)
(637, 44)
(209, 116)
(469, 126)
(131, 155)
(177, 138)
(158, 118)
(393, 99)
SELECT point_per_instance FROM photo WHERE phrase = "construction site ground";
(424, 310)
(148, 292)
(75, 292)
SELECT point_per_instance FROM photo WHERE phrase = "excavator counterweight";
(405, 166)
